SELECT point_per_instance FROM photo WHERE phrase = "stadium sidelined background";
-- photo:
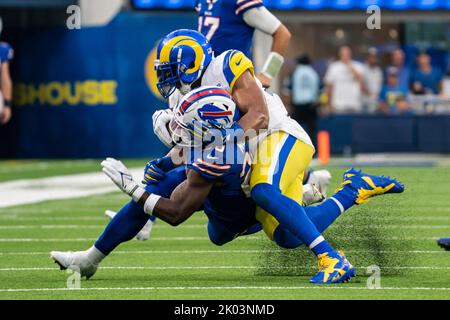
(86, 93)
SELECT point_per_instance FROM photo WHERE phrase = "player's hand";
(5, 116)
(120, 175)
(265, 81)
(161, 119)
(152, 172)
(155, 170)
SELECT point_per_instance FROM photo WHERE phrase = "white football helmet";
(200, 112)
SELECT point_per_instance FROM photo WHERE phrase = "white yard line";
(199, 238)
(250, 251)
(201, 226)
(233, 288)
(20, 269)
(20, 192)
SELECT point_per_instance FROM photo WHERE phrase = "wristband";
(150, 203)
(136, 193)
(7, 103)
(272, 65)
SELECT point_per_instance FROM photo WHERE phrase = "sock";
(290, 215)
(324, 214)
(152, 218)
(132, 218)
(94, 255)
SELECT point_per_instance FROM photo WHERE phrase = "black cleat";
(444, 243)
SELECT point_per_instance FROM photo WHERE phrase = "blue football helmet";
(180, 60)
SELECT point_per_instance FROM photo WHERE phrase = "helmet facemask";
(168, 77)
(197, 134)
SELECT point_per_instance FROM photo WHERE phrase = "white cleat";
(110, 214)
(76, 261)
(143, 234)
(311, 195)
(321, 179)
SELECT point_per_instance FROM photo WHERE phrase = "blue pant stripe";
(282, 158)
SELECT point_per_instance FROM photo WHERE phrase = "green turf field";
(395, 232)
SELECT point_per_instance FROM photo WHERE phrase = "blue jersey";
(6, 52)
(227, 202)
(222, 23)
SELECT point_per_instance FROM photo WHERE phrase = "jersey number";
(209, 22)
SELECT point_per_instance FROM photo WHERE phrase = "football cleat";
(110, 214)
(76, 261)
(143, 234)
(333, 268)
(311, 195)
(367, 186)
(444, 243)
(321, 179)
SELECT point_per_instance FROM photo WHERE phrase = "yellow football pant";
(280, 160)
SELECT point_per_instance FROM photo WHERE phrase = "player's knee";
(217, 237)
(218, 240)
(262, 193)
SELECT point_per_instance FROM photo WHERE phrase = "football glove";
(155, 170)
(161, 119)
(122, 177)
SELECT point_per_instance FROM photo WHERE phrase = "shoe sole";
(63, 268)
(345, 278)
(444, 246)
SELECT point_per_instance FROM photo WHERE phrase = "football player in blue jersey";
(185, 61)
(214, 180)
(230, 24)
(6, 55)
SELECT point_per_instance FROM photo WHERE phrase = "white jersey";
(224, 70)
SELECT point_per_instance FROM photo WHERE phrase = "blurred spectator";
(426, 79)
(393, 96)
(344, 84)
(6, 54)
(398, 61)
(373, 80)
(305, 94)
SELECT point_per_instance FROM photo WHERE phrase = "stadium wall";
(371, 133)
(86, 93)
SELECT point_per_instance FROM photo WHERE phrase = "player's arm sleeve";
(261, 19)
(234, 65)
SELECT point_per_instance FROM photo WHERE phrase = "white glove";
(122, 178)
(161, 119)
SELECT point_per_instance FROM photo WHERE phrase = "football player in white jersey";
(185, 61)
